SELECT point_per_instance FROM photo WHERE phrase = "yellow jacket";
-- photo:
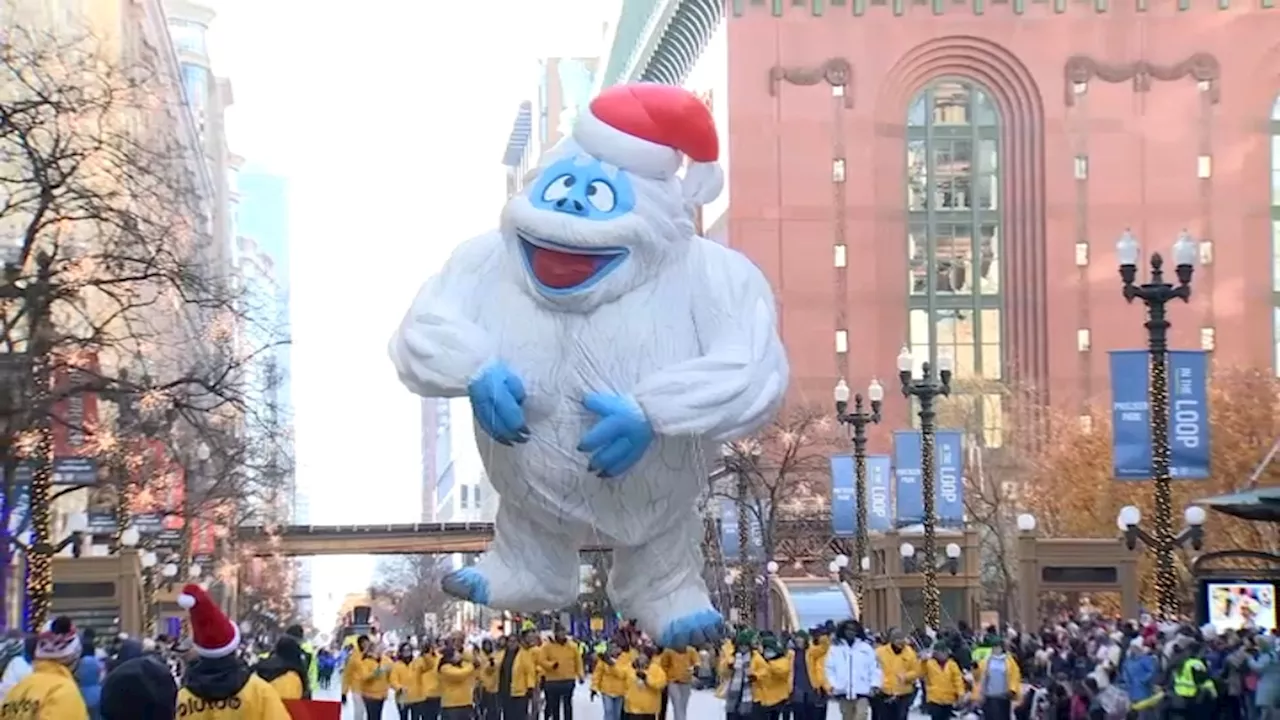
(678, 665)
(524, 671)
(426, 665)
(644, 697)
(900, 669)
(457, 685)
(609, 679)
(255, 701)
(48, 693)
(943, 684)
(815, 660)
(560, 661)
(773, 686)
(407, 681)
(1012, 676)
(350, 669)
(756, 669)
(488, 671)
(373, 678)
(287, 685)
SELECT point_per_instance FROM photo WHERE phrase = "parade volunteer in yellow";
(371, 679)
(609, 678)
(457, 685)
(900, 667)
(678, 666)
(562, 668)
(218, 685)
(517, 677)
(407, 681)
(772, 689)
(50, 691)
(428, 668)
(645, 681)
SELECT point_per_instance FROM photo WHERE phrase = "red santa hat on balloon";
(212, 634)
(649, 129)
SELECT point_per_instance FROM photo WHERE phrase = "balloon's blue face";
(585, 196)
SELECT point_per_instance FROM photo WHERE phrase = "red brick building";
(953, 174)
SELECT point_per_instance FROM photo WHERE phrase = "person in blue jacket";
(1138, 672)
(89, 673)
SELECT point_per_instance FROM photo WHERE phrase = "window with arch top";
(954, 244)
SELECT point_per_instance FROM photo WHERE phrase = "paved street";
(704, 706)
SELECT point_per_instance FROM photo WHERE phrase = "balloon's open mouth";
(561, 268)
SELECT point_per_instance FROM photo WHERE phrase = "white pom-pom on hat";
(186, 602)
(703, 182)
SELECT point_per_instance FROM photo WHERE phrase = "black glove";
(594, 695)
(344, 699)
(555, 666)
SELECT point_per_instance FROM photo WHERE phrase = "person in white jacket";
(853, 671)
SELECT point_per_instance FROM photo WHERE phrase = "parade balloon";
(608, 352)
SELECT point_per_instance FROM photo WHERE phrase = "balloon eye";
(558, 189)
(600, 195)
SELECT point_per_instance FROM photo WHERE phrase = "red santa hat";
(212, 634)
(648, 129)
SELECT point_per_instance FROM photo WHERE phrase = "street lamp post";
(1156, 293)
(1129, 519)
(911, 564)
(927, 388)
(857, 422)
(148, 561)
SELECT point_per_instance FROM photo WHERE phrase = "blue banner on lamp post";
(879, 494)
(948, 448)
(729, 546)
(906, 471)
(844, 501)
(1188, 415)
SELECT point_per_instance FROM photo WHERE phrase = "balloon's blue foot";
(467, 584)
(704, 626)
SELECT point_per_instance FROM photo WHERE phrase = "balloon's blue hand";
(497, 395)
(619, 440)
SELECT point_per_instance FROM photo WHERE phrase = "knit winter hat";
(649, 129)
(60, 643)
(212, 633)
(139, 689)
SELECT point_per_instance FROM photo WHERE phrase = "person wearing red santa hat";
(219, 685)
(50, 691)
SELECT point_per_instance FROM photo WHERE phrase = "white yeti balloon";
(607, 351)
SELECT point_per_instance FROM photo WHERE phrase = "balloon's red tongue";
(562, 270)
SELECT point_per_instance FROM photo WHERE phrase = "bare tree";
(774, 481)
(412, 583)
(114, 286)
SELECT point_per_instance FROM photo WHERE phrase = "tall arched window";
(953, 241)
(1275, 234)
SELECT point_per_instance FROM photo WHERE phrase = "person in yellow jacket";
(517, 677)
(997, 681)
(609, 678)
(349, 670)
(406, 681)
(428, 668)
(371, 680)
(532, 639)
(644, 681)
(286, 669)
(562, 668)
(218, 685)
(900, 667)
(488, 670)
(678, 665)
(943, 682)
(50, 691)
(741, 670)
(772, 689)
(457, 685)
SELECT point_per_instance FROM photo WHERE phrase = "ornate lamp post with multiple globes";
(1156, 293)
(857, 422)
(927, 388)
